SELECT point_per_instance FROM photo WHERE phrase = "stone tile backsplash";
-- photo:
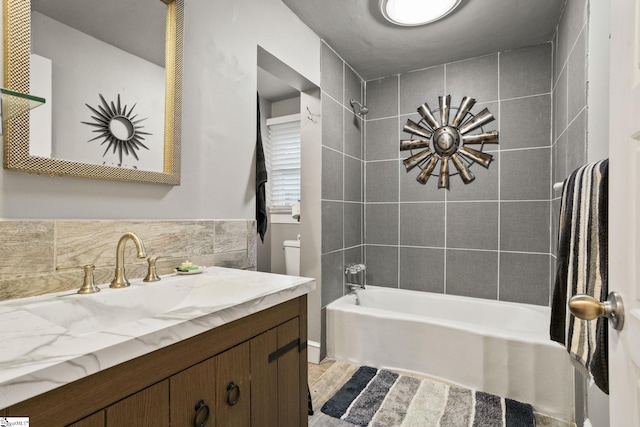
(47, 256)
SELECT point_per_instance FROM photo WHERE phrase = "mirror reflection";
(113, 107)
(101, 66)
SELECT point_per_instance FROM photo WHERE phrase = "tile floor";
(328, 376)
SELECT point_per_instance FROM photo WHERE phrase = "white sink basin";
(83, 314)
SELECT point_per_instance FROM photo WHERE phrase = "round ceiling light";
(416, 12)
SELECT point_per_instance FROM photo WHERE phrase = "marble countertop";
(54, 339)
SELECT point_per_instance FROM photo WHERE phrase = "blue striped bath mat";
(381, 398)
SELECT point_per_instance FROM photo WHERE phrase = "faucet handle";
(152, 275)
(88, 285)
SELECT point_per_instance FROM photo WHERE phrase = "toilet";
(292, 257)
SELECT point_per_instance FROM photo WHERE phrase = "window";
(283, 162)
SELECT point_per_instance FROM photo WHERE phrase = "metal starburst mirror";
(436, 141)
(117, 125)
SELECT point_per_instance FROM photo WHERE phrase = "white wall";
(107, 71)
(285, 107)
(598, 80)
(281, 226)
(264, 246)
(311, 209)
(218, 122)
(40, 119)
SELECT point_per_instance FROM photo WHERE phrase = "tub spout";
(356, 276)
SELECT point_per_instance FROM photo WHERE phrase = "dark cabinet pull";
(286, 348)
(230, 389)
(201, 407)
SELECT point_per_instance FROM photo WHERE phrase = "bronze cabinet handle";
(230, 389)
(201, 407)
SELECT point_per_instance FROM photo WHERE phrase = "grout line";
(363, 152)
(500, 158)
(382, 160)
(398, 135)
(541, 147)
(565, 63)
(454, 201)
(446, 202)
(506, 150)
(344, 179)
(381, 245)
(515, 98)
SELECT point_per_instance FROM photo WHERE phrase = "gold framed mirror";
(17, 154)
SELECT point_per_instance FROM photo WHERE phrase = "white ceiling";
(354, 28)
(375, 48)
(272, 88)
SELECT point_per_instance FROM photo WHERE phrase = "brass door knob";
(588, 308)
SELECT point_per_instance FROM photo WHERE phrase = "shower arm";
(361, 110)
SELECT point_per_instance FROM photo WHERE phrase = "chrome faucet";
(120, 280)
(356, 276)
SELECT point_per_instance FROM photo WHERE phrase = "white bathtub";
(493, 346)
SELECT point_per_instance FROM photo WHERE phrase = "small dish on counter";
(199, 270)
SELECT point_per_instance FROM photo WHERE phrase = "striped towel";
(380, 398)
(582, 267)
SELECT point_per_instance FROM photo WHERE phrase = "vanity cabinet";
(95, 420)
(150, 405)
(250, 372)
(217, 389)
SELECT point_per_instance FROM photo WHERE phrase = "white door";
(624, 210)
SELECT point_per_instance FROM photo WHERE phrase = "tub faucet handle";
(354, 268)
(355, 275)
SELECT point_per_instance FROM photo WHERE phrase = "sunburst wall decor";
(440, 141)
(117, 125)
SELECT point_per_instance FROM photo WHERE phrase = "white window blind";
(283, 162)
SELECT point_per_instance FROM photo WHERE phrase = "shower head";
(358, 108)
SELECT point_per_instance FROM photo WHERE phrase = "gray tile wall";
(490, 238)
(569, 149)
(342, 174)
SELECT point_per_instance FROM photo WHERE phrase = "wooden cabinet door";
(264, 380)
(95, 420)
(191, 390)
(233, 387)
(289, 374)
(146, 408)
(275, 377)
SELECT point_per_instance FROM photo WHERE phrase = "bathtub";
(493, 346)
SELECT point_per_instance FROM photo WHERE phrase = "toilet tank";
(292, 257)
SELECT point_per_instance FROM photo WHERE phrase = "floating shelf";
(16, 103)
